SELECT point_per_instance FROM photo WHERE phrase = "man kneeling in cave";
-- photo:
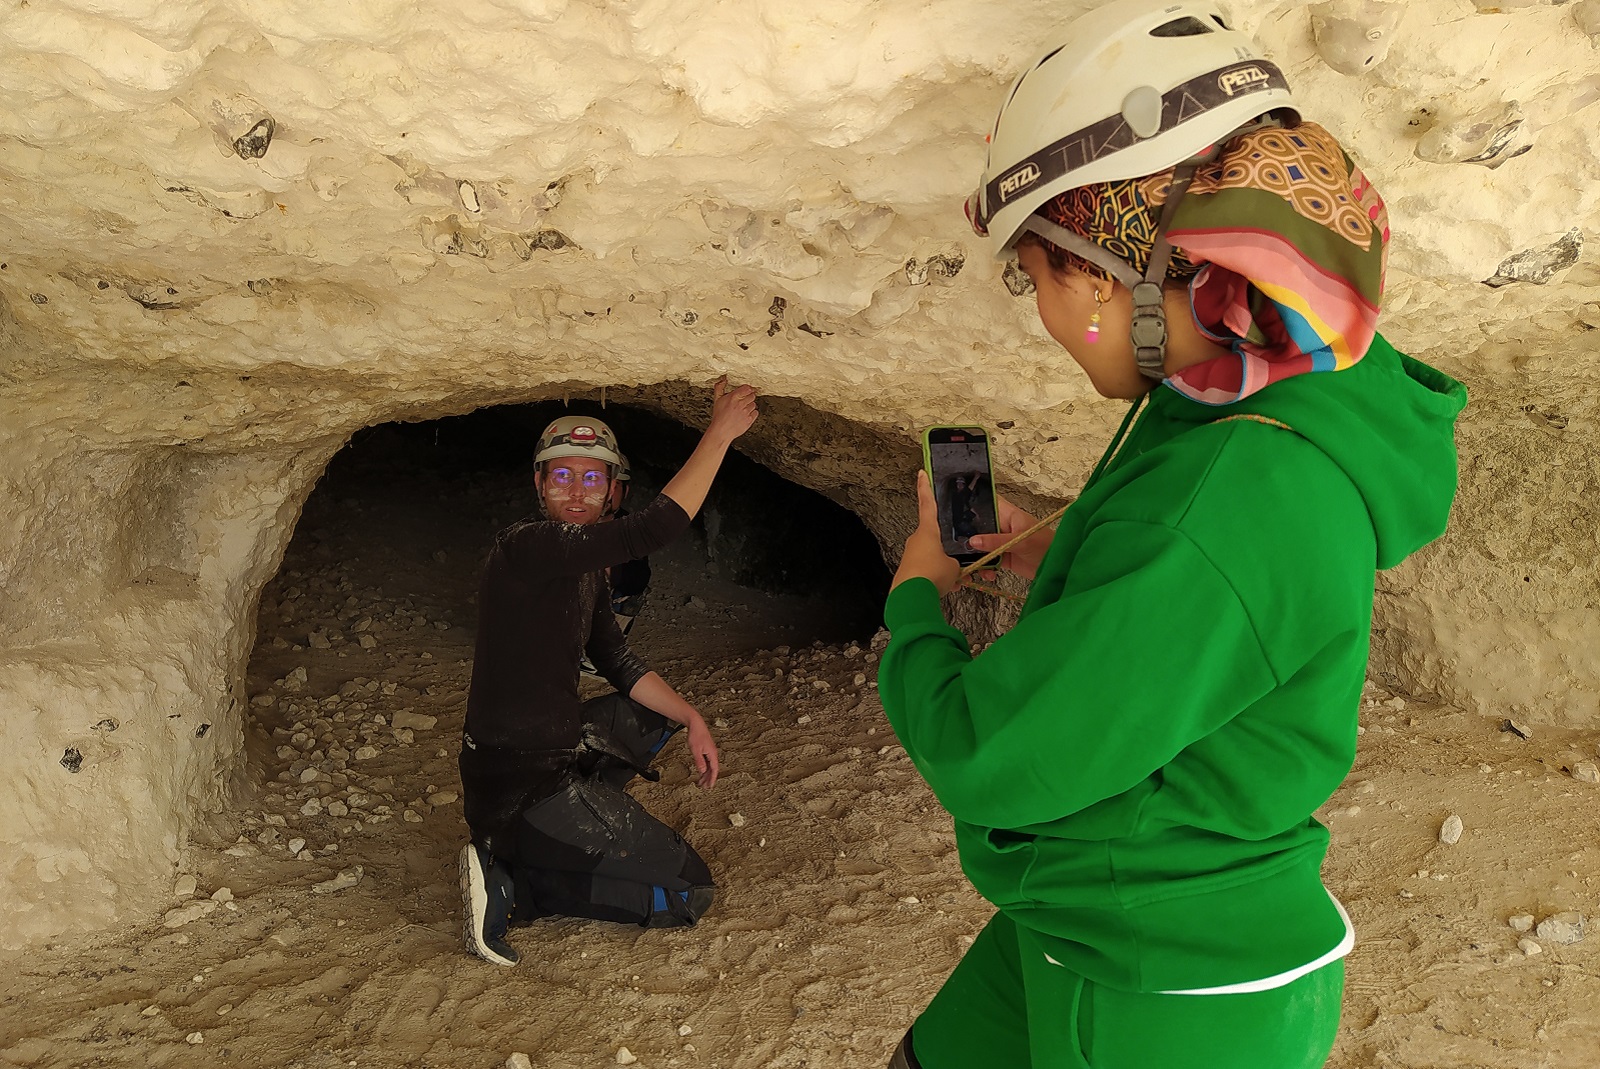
(542, 772)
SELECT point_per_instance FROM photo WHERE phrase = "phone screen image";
(958, 463)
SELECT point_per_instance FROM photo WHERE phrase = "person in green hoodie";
(1132, 769)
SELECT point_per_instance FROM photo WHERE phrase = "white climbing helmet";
(1128, 89)
(579, 436)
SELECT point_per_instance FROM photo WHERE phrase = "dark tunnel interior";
(398, 526)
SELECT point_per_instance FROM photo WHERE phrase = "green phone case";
(988, 452)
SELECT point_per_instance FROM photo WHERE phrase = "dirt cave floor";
(321, 926)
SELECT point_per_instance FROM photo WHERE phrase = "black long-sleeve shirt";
(542, 604)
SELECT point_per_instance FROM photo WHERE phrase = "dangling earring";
(1092, 335)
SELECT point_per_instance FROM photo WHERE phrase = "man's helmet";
(579, 436)
(1129, 89)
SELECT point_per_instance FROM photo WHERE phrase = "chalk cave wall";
(233, 234)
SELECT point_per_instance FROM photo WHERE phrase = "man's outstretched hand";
(733, 410)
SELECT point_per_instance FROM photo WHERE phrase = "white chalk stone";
(1450, 830)
(684, 1030)
(181, 915)
(1586, 772)
(347, 878)
(1529, 947)
(312, 807)
(625, 1056)
(736, 819)
(1586, 13)
(439, 798)
(1522, 922)
(223, 895)
(1486, 136)
(411, 816)
(1562, 928)
(296, 845)
(365, 753)
(1353, 36)
(1517, 727)
(184, 886)
(194, 1039)
(519, 1061)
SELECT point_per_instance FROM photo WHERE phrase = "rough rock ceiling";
(481, 196)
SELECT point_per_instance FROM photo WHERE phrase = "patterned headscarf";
(1284, 240)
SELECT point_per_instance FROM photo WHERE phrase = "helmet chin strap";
(1148, 330)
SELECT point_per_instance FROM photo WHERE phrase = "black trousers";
(589, 849)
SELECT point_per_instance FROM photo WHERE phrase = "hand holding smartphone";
(959, 468)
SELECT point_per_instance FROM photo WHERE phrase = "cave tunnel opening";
(365, 635)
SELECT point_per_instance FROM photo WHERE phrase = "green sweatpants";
(1007, 1007)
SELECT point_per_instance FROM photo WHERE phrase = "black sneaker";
(486, 898)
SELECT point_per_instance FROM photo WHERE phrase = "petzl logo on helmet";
(1242, 79)
(582, 435)
(1018, 180)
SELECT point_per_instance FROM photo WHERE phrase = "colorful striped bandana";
(1284, 239)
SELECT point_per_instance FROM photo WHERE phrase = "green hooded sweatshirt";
(1132, 768)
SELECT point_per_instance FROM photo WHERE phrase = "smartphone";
(957, 461)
